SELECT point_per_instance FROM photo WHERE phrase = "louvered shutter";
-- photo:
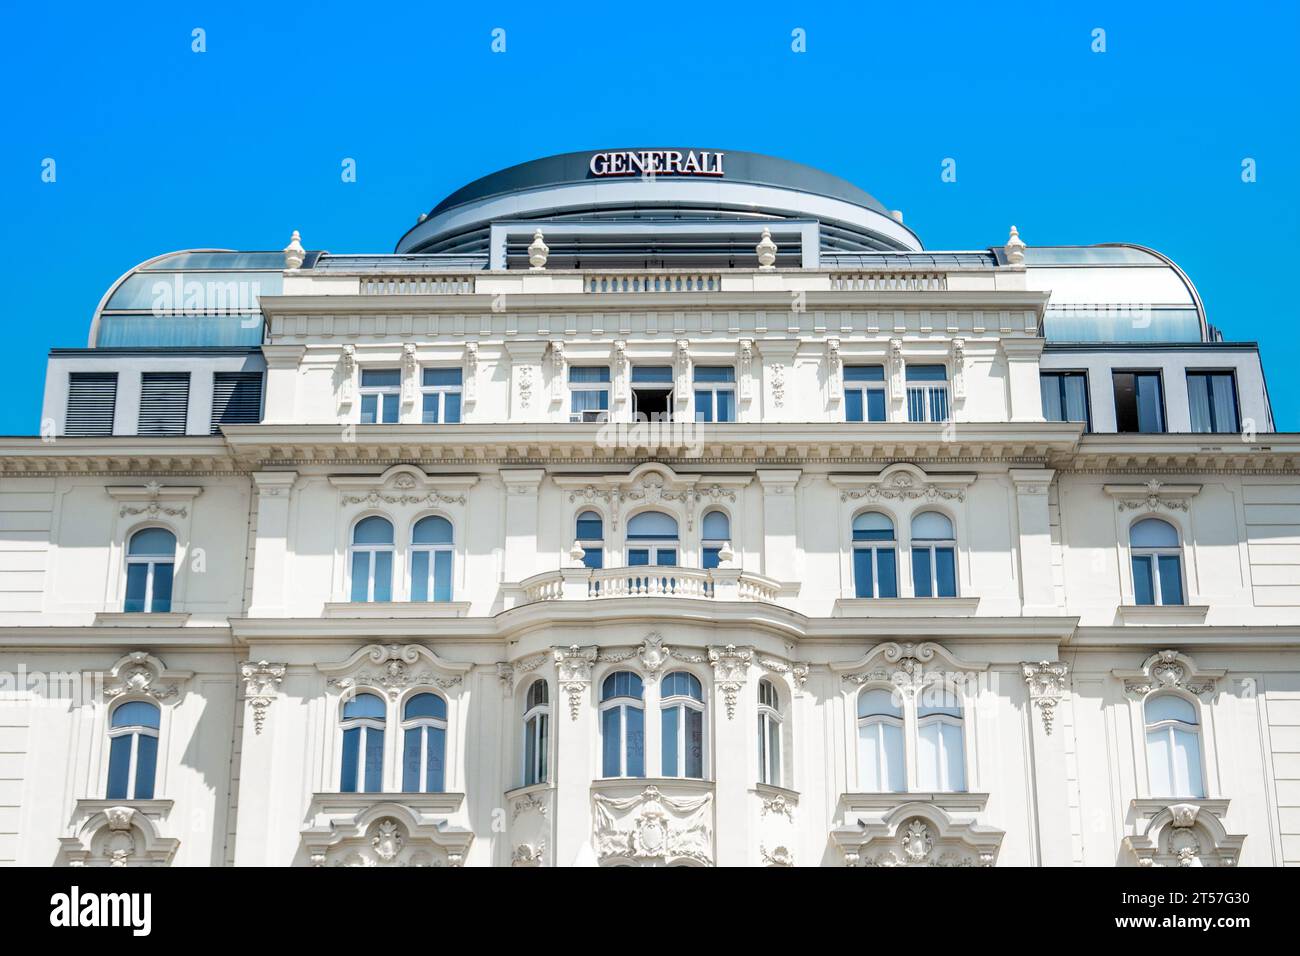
(236, 399)
(164, 402)
(92, 398)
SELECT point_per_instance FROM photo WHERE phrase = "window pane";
(945, 572)
(869, 758)
(119, 766)
(429, 411)
(139, 713)
(435, 767)
(1153, 533)
(876, 405)
(390, 408)
(542, 737)
(411, 760)
(1198, 400)
(137, 576)
(916, 404)
(1171, 579)
(1076, 398)
(383, 575)
(1050, 387)
(938, 404)
(774, 752)
(1151, 416)
(694, 743)
(360, 575)
(1223, 392)
(442, 377)
(893, 750)
(853, 408)
(927, 373)
(593, 556)
(864, 373)
(530, 751)
(726, 406)
(715, 373)
(351, 745)
(374, 760)
(637, 557)
(451, 408)
(635, 742)
(887, 565)
(590, 527)
(711, 558)
(1143, 584)
(153, 541)
(381, 378)
(369, 406)
(1169, 707)
(873, 526)
(588, 374)
(716, 526)
(927, 758)
(652, 374)
(419, 575)
(162, 588)
(666, 557)
(433, 529)
(703, 406)
(442, 576)
(1187, 764)
(1160, 764)
(762, 749)
(921, 572)
(609, 739)
(146, 765)
(862, 573)
(670, 718)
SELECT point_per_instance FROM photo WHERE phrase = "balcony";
(583, 584)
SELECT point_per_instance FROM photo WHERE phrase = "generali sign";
(657, 162)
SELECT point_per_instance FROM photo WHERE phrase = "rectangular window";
(236, 399)
(164, 403)
(1139, 402)
(1065, 397)
(864, 393)
(1212, 397)
(588, 393)
(715, 393)
(927, 393)
(381, 390)
(442, 392)
(652, 392)
(92, 400)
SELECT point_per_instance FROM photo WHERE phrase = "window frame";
(135, 731)
(424, 724)
(929, 389)
(1172, 725)
(1137, 408)
(366, 726)
(874, 546)
(771, 727)
(605, 387)
(932, 545)
(151, 562)
(865, 387)
(379, 393)
(909, 701)
(1061, 374)
(371, 549)
(652, 545)
(1153, 553)
(683, 703)
(440, 392)
(537, 733)
(598, 544)
(716, 545)
(622, 703)
(712, 389)
(1231, 373)
(433, 550)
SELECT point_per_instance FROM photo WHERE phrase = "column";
(780, 523)
(281, 394)
(520, 559)
(1024, 396)
(1037, 588)
(1047, 682)
(271, 544)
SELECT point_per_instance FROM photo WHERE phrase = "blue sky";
(159, 148)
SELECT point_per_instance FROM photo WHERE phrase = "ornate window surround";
(1172, 672)
(1168, 502)
(403, 495)
(1184, 833)
(410, 357)
(138, 675)
(652, 486)
(901, 491)
(918, 834)
(394, 672)
(911, 669)
(152, 505)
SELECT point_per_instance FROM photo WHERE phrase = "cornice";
(1202, 636)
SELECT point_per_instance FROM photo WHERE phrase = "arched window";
(590, 535)
(681, 708)
(431, 559)
(880, 742)
(769, 734)
(652, 539)
(132, 750)
(934, 556)
(1173, 747)
(150, 560)
(940, 760)
(875, 556)
(363, 722)
(1157, 562)
(537, 718)
(372, 560)
(717, 532)
(424, 744)
(622, 725)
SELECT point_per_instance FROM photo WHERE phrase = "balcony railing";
(667, 282)
(889, 281)
(577, 584)
(417, 285)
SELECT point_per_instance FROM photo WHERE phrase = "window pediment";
(910, 667)
(903, 482)
(917, 834)
(1169, 669)
(140, 674)
(392, 668)
(404, 485)
(652, 484)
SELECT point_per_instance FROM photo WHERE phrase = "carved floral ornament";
(384, 835)
(404, 485)
(1169, 669)
(1047, 685)
(393, 668)
(1152, 495)
(910, 668)
(1185, 835)
(140, 674)
(652, 826)
(654, 484)
(903, 482)
(116, 836)
(154, 499)
(261, 682)
(918, 835)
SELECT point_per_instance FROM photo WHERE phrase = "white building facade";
(652, 507)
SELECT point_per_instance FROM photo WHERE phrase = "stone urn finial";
(725, 554)
(766, 250)
(1015, 249)
(576, 554)
(537, 251)
(294, 253)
